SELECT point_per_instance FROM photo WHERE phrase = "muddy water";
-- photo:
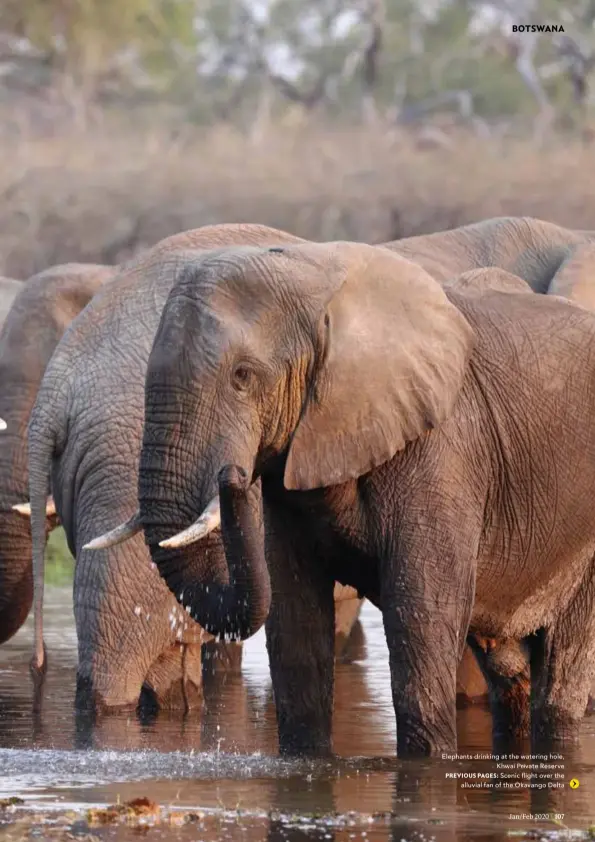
(222, 765)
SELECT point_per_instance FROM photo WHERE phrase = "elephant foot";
(553, 728)
(306, 739)
(417, 737)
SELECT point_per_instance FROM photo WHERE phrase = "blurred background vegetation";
(125, 121)
(59, 562)
(248, 61)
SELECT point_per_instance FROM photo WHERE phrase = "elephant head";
(315, 363)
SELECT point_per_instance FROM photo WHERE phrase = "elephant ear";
(477, 282)
(575, 279)
(395, 360)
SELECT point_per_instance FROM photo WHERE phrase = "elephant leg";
(505, 667)
(300, 633)
(426, 607)
(347, 610)
(471, 685)
(562, 669)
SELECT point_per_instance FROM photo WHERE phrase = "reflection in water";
(224, 758)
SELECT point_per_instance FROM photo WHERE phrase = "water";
(222, 765)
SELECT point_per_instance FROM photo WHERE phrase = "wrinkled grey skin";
(550, 258)
(428, 465)
(40, 313)
(134, 640)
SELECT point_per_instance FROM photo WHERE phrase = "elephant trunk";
(229, 597)
(243, 539)
(190, 456)
(232, 606)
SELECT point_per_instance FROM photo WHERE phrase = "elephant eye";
(241, 376)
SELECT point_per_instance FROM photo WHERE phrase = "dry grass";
(104, 194)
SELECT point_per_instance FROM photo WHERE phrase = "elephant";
(135, 644)
(41, 311)
(550, 258)
(553, 260)
(411, 441)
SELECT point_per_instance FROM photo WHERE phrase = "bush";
(105, 194)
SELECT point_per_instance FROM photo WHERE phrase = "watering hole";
(221, 765)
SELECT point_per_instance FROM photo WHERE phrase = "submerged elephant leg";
(423, 677)
(347, 610)
(426, 608)
(471, 685)
(563, 667)
(300, 632)
(505, 667)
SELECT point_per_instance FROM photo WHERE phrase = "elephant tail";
(42, 438)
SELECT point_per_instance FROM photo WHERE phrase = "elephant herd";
(240, 428)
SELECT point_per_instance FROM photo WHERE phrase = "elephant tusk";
(121, 533)
(2, 424)
(25, 508)
(209, 520)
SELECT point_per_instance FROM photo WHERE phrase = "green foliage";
(85, 36)
(237, 59)
(59, 562)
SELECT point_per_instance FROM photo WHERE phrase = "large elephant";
(134, 640)
(40, 313)
(551, 259)
(411, 441)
